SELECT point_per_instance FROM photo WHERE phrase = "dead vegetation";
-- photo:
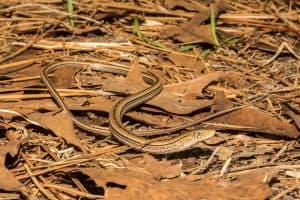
(237, 73)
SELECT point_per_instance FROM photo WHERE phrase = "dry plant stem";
(26, 19)
(22, 116)
(33, 194)
(280, 152)
(9, 196)
(62, 91)
(47, 193)
(73, 192)
(77, 182)
(82, 46)
(236, 170)
(255, 23)
(225, 167)
(273, 110)
(145, 10)
(284, 192)
(20, 63)
(40, 176)
(27, 26)
(247, 16)
(34, 40)
(72, 162)
(50, 10)
(17, 97)
(286, 17)
(278, 52)
(207, 163)
(47, 153)
(30, 78)
(163, 49)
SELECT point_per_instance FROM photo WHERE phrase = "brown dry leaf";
(221, 101)
(194, 88)
(135, 75)
(64, 77)
(126, 185)
(195, 64)
(33, 70)
(60, 124)
(158, 169)
(192, 31)
(175, 104)
(98, 103)
(8, 182)
(109, 12)
(133, 79)
(191, 6)
(250, 186)
(195, 34)
(250, 119)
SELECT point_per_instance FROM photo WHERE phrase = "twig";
(281, 194)
(48, 194)
(20, 63)
(51, 10)
(28, 45)
(225, 167)
(279, 50)
(281, 151)
(207, 163)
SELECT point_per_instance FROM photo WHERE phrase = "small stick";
(279, 50)
(280, 152)
(48, 194)
(225, 166)
(278, 196)
(207, 163)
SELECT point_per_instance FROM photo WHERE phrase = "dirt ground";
(229, 74)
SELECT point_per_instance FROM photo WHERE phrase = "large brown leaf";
(250, 119)
(158, 169)
(192, 30)
(60, 124)
(133, 184)
(8, 181)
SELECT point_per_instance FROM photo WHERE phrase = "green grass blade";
(205, 52)
(70, 11)
(137, 31)
(213, 26)
(232, 40)
(136, 26)
(186, 47)
(154, 43)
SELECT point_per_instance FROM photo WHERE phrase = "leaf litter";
(255, 153)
